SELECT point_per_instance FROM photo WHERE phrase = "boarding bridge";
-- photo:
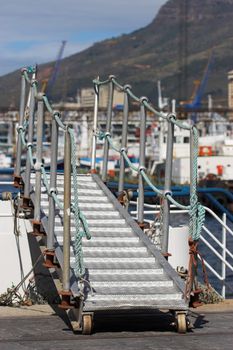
(105, 261)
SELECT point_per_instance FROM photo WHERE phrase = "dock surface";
(38, 327)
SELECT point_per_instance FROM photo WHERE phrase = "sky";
(31, 31)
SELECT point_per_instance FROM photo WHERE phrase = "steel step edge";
(133, 297)
(97, 222)
(102, 252)
(119, 263)
(106, 242)
(86, 206)
(169, 304)
(106, 276)
(135, 285)
(94, 214)
(103, 230)
(81, 199)
(60, 184)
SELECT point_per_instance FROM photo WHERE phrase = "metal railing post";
(124, 139)
(94, 131)
(26, 195)
(39, 146)
(192, 178)
(67, 212)
(17, 173)
(52, 185)
(108, 130)
(224, 242)
(142, 157)
(167, 187)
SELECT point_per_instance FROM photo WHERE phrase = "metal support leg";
(95, 121)
(108, 130)
(167, 188)
(26, 195)
(53, 185)
(50, 254)
(17, 173)
(39, 136)
(142, 156)
(67, 211)
(124, 141)
(66, 293)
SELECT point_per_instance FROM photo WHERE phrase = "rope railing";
(196, 210)
(79, 218)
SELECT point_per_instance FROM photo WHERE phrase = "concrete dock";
(39, 327)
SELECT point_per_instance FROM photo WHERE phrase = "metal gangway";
(104, 259)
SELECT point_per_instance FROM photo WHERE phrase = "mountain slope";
(174, 48)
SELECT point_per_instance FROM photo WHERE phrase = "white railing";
(151, 209)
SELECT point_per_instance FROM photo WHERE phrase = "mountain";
(174, 48)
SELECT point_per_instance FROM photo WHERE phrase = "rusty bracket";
(49, 259)
(66, 303)
(27, 203)
(194, 298)
(17, 181)
(37, 229)
(143, 225)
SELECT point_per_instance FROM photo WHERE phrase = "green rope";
(29, 150)
(81, 226)
(128, 161)
(47, 104)
(103, 135)
(197, 211)
(45, 178)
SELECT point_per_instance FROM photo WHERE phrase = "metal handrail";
(225, 251)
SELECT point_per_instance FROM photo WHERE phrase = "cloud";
(33, 30)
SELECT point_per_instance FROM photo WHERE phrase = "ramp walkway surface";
(123, 269)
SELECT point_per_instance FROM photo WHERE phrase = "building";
(86, 97)
(230, 89)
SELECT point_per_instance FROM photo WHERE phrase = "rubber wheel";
(87, 325)
(181, 323)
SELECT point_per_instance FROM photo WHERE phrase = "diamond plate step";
(118, 263)
(126, 275)
(98, 223)
(121, 268)
(86, 206)
(102, 232)
(118, 252)
(107, 242)
(81, 198)
(142, 303)
(94, 214)
(132, 287)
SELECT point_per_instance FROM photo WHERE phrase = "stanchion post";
(108, 130)
(17, 173)
(94, 131)
(167, 187)
(26, 195)
(142, 156)
(67, 212)
(52, 185)
(39, 147)
(124, 140)
(224, 242)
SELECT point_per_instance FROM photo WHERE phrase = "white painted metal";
(15, 258)
(178, 247)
